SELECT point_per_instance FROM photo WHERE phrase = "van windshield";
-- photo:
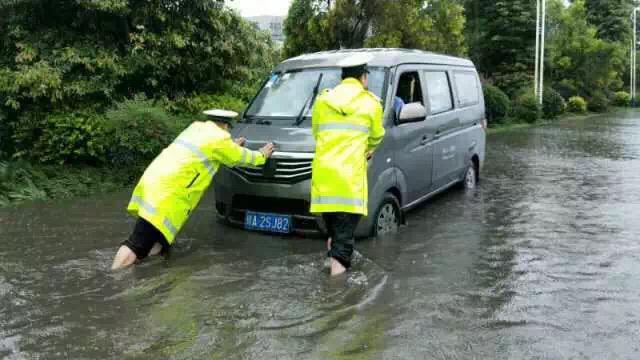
(284, 94)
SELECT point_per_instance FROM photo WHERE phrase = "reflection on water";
(542, 261)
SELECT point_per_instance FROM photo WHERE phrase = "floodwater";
(542, 261)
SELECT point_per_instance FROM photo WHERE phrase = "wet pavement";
(542, 261)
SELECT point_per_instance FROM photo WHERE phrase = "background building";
(272, 24)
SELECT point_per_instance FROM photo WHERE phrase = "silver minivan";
(434, 117)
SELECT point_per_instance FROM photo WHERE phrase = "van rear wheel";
(388, 216)
(470, 180)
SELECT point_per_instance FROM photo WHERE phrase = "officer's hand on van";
(240, 141)
(267, 150)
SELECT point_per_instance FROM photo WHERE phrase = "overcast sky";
(260, 7)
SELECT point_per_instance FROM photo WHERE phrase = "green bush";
(137, 130)
(598, 102)
(566, 88)
(497, 104)
(131, 133)
(60, 138)
(513, 82)
(622, 98)
(577, 104)
(553, 105)
(526, 108)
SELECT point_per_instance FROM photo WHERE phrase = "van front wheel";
(388, 216)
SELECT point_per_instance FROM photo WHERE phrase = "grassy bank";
(510, 126)
(21, 181)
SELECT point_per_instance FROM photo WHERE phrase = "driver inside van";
(405, 92)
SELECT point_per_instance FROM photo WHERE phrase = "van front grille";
(291, 169)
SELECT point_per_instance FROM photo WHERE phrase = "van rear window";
(467, 87)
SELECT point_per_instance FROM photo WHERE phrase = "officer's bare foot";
(156, 249)
(337, 268)
(124, 257)
(327, 260)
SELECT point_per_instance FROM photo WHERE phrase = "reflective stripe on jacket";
(174, 183)
(347, 124)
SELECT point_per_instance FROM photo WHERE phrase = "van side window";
(438, 91)
(467, 87)
(409, 91)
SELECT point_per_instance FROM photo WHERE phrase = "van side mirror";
(412, 112)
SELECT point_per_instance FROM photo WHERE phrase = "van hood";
(286, 138)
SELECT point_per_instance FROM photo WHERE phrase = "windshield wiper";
(311, 100)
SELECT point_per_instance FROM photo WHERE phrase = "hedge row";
(130, 133)
(524, 107)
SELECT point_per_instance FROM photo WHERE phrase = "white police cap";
(221, 115)
(355, 60)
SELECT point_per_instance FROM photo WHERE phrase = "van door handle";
(425, 140)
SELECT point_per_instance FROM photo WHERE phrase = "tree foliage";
(430, 25)
(611, 18)
(307, 28)
(313, 25)
(502, 40)
(578, 59)
(61, 55)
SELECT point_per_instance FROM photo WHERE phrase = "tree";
(611, 18)
(502, 40)
(352, 20)
(430, 25)
(307, 28)
(314, 25)
(579, 62)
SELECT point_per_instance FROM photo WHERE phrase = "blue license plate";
(267, 222)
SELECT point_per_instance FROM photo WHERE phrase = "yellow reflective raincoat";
(347, 124)
(173, 184)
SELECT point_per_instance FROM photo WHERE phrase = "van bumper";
(235, 194)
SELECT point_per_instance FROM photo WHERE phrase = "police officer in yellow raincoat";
(347, 127)
(173, 184)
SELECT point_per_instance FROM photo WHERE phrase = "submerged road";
(542, 261)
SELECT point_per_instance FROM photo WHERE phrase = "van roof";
(382, 57)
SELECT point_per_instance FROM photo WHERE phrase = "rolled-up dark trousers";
(341, 228)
